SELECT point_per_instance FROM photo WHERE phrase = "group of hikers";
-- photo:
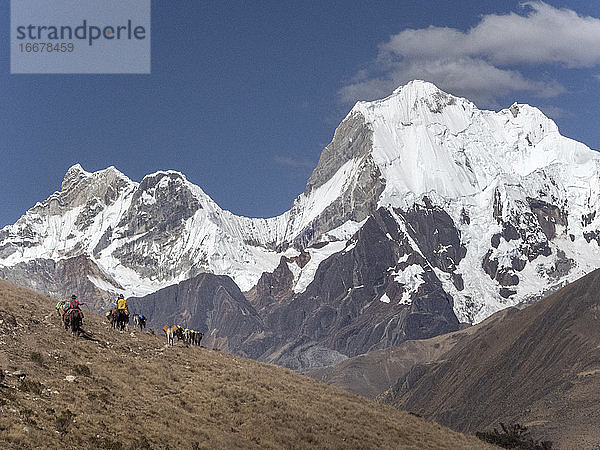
(72, 316)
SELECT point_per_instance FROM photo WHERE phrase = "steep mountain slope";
(334, 317)
(211, 303)
(539, 366)
(356, 304)
(438, 212)
(373, 373)
(128, 390)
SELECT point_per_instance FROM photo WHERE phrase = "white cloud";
(482, 63)
(473, 78)
(544, 35)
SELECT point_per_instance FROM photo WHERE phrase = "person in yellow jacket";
(122, 311)
(121, 303)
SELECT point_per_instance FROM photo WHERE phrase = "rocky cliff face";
(423, 211)
(346, 167)
(378, 291)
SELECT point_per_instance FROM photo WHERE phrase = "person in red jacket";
(74, 304)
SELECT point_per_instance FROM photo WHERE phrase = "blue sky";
(243, 96)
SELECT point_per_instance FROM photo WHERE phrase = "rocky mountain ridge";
(422, 212)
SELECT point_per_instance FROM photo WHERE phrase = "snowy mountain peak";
(74, 175)
(417, 100)
(423, 91)
(167, 182)
(425, 140)
(497, 204)
(76, 168)
(422, 87)
(530, 118)
(160, 174)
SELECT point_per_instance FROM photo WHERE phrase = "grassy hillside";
(128, 390)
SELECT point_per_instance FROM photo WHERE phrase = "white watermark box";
(80, 36)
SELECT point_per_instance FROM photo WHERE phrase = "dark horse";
(73, 318)
(122, 319)
(112, 317)
(117, 318)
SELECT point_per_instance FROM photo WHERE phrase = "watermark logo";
(80, 36)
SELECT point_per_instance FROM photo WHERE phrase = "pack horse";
(172, 332)
(139, 320)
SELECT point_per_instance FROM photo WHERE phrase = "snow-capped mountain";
(142, 235)
(523, 198)
(478, 209)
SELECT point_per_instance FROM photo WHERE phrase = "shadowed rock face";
(592, 235)
(436, 235)
(272, 287)
(341, 313)
(534, 227)
(78, 189)
(159, 222)
(548, 216)
(173, 203)
(210, 304)
(352, 140)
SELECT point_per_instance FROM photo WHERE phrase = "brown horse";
(122, 318)
(112, 317)
(73, 318)
(117, 318)
(192, 337)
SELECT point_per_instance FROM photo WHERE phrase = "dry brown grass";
(131, 391)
